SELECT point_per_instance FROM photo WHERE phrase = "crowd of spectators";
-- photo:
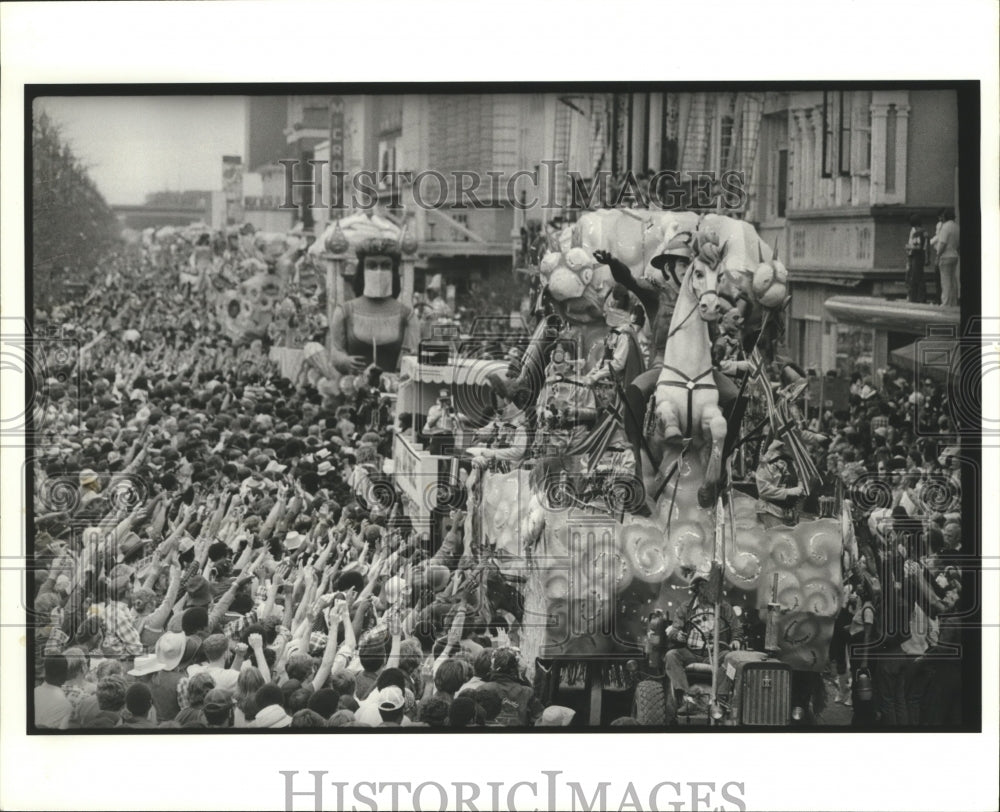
(204, 556)
(895, 454)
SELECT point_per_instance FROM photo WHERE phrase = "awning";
(935, 357)
(896, 315)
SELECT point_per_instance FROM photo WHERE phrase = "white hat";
(556, 716)
(146, 664)
(169, 652)
(391, 698)
(293, 541)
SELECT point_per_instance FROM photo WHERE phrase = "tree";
(72, 225)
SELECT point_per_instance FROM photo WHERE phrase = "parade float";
(369, 266)
(603, 570)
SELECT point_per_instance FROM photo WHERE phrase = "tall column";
(902, 130)
(879, 113)
(821, 185)
(808, 159)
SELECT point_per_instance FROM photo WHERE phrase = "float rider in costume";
(658, 299)
(502, 443)
(622, 363)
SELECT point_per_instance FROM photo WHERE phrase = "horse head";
(701, 282)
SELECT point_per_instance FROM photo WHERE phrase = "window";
(828, 150)
(836, 135)
(799, 243)
(388, 115)
(864, 243)
(782, 180)
(844, 139)
(890, 150)
(862, 161)
(461, 219)
(315, 117)
(387, 156)
(725, 140)
(775, 181)
(809, 335)
(669, 148)
(854, 350)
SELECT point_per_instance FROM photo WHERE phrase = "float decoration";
(592, 569)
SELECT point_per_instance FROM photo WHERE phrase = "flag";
(596, 442)
(783, 427)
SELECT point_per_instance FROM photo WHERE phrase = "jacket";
(519, 705)
(773, 492)
(696, 619)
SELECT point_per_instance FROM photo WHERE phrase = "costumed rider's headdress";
(681, 246)
(379, 246)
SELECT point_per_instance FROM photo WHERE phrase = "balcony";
(847, 245)
(895, 315)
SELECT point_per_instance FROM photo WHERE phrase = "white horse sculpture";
(687, 398)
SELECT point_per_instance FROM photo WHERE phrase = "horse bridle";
(689, 383)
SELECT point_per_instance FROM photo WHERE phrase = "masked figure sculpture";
(374, 327)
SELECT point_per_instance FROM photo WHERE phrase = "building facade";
(282, 128)
(438, 138)
(830, 179)
(839, 175)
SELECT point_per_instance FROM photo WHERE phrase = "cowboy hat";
(293, 541)
(169, 653)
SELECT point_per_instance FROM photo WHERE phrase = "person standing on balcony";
(945, 242)
(916, 256)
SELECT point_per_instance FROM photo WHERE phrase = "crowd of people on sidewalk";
(203, 554)
(895, 454)
(205, 558)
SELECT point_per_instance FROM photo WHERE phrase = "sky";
(140, 144)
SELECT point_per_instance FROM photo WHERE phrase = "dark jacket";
(658, 304)
(163, 687)
(519, 705)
